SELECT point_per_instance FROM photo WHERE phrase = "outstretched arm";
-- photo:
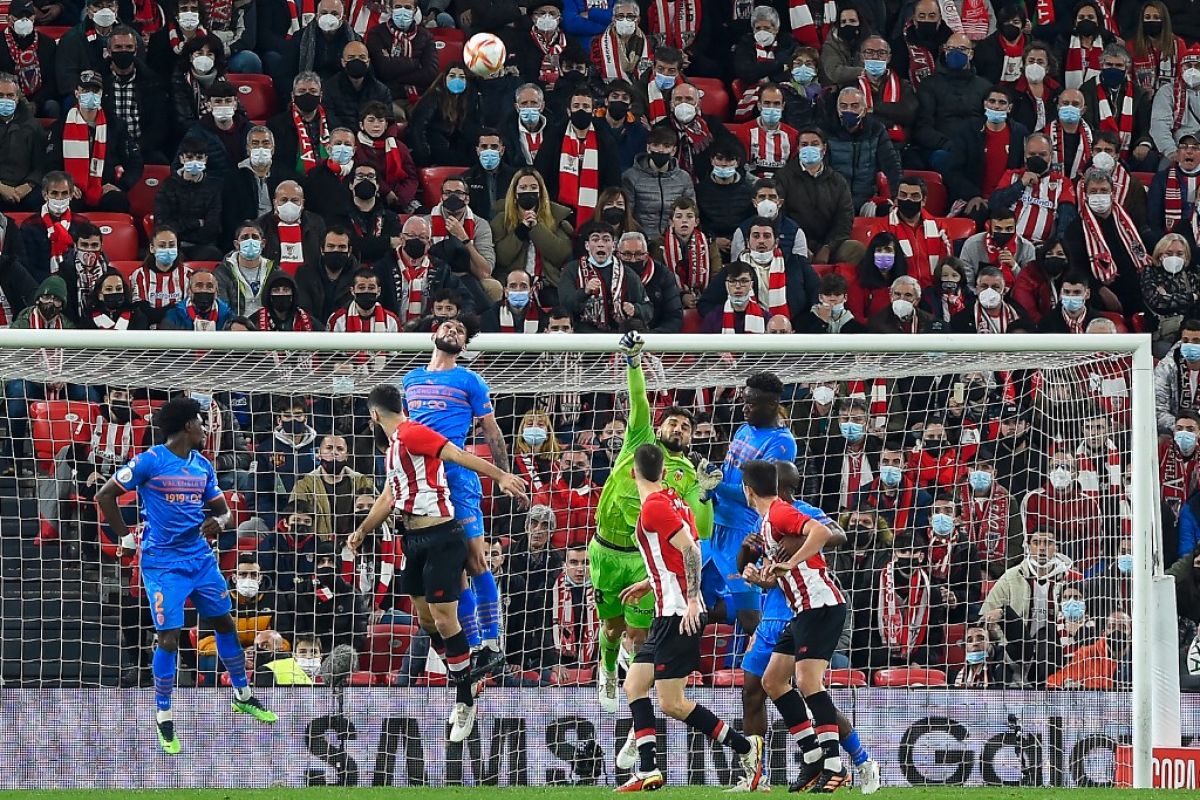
(375, 517)
(495, 442)
(816, 535)
(510, 484)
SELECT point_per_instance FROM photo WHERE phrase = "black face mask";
(1054, 265)
(581, 118)
(293, 426)
(1037, 165)
(365, 190)
(1152, 28)
(1010, 31)
(335, 262)
(575, 477)
(366, 300)
(617, 109)
(934, 445)
(949, 288)
(927, 30)
(613, 215)
(904, 566)
(357, 69)
(123, 59)
(848, 33)
(454, 204)
(112, 302)
(702, 448)
(528, 200)
(307, 103)
(909, 208)
(300, 530)
(1087, 27)
(659, 159)
(636, 266)
(119, 413)
(49, 310)
(860, 533)
(281, 303)
(203, 301)
(1003, 238)
(330, 465)
(414, 248)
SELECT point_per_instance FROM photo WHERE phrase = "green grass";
(589, 793)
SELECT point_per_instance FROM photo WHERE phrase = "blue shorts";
(168, 586)
(467, 496)
(721, 577)
(766, 636)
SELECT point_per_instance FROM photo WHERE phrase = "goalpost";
(902, 383)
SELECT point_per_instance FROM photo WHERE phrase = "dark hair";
(1000, 212)
(487, 132)
(868, 274)
(386, 397)
(668, 55)
(648, 460)
(662, 135)
(766, 183)
(735, 269)
(1012, 11)
(245, 322)
(1187, 413)
(108, 273)
(999, 89)
(175, 415)
(597, 226)
(833, 283)
(446, 293)
(813, 131)
(763, 222)
(221, 88)
(336, 230)
(767, 382)
(1075, 276)
(287, 402)
(1107, 136)
(184, 61)
(374, 108)
(618, 85)
(678, 411)
(761, 477)
(914, 180)
(247, 557)
(300, 506)
(193, 145)
(363, 272)
(84, 229)
(1191, 324)
(728, 148)
(574, 53)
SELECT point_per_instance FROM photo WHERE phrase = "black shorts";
(673, 653)
(434, 560)
(813, 634)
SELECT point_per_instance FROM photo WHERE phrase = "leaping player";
(668, 543)
(435, 547)
(812, 635)
(182, 509)
(449, 399)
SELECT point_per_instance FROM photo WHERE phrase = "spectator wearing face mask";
(83, 47)
(248, 189)
(760, 58)
(294, 238)
(998, 246)
(950, 102)
(23, 142)
(242, 275)
(954, 570)
(830, 314)
(402, 52)
(330, 488)
(1170, 286)
(354, 86)
(843, 462)
(655, 181)
(325, 603)
(286, 454)
(990, 309)
(31, 54)
(1076, 627)
(257, 610)
(610, 441)
(574, 496)
(1175, 192)
(110, 306)
(894, 494)
(1173, 115)
(201, 309)
(531, 229)
(408, 278)
(189, 201)
(1176, 378)
(1111, 589)
(989, 514)
(297, 668)
(858, 564)
(859, 148)
(980, 669)
(924, 36)
(1105, 664)
(327, 189)
(323, 40)
(200, 65)
(1177, 461)
(909, 618)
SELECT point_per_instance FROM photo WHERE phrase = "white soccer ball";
(1193, 658)
(485, 54)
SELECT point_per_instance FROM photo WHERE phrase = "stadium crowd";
(666, 166)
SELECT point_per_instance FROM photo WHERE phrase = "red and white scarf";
(104, 322)
(1181, 189)
(921, 63)
(674, 23)
(806, 30)
(306, 155)
(1109, 16)
(365, 16)
(111, 444)
(1035, 209)
(148, 17)
(1012, 69)
(59, 233)
(90, 265)
(689, 265)
(1089, 471)
(26, 64)
(754, 319)
(889, 92)
(411, 282)
(694, 138)
(985, 323)
(264, 320)
(376, 321)
(508, 323)
(1104, 266)
(579, 175)
(1119, 122)
(1043, 13)
(941, 554)
(769, 150)
(202, 321)
(776, 299)
(575, 639)
(437, 224)
(159, 289)
(878, 403)
(903, 628)
(973, 19)
(177, 40)
(1120, 178)
(993, 255)
(656, 110)
(300, 13)
(6, 311)
(539, 475)
(393, 157)
(1176, 474)
(291, 246)
(611, 57)
(39, 323)
(986, 522)
(1058, 143)
(84, 153)
(1082, 66)
(749, 98)
(1154, 68)
(548, 70)
(934, 243)
(603, 310)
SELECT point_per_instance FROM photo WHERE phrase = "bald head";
(779, 324)
(416, 226)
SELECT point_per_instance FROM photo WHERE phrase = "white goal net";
(1009, 505)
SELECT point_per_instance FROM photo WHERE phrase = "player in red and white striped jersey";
(435, 547)
(666, 536)
(820, 615)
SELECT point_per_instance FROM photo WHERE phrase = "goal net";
(1009, 505)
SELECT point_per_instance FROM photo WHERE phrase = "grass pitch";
(564, 793)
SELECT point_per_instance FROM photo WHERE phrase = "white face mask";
(739, 303)
(625, 27)
(1172, 264)
(685, 112)
(764, 38)
(260, 156)
(189, 20)
(761, 258)
(1035, 73)
(247, 587)
(58, 207)
(309, 664)
(23, 26)
(289, 212)
(1104, 161)
(203, 64)
(223, 113)
(1060, 478)
(990, 298)
(329, 22)
(823, 395)
(767, 208)
(104, 17)
(1191, 76)
(546, 23)
(1099, 203)
(902, 308)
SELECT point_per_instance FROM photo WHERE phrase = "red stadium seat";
(692, 321)
(360, 678)
(1117, 319)
(824, 269)
(47, 122)
(141, 196)
(256, 96)
(431, 679)
(238, 512)
(864, 229)
(728, 677)
(431, 183)
(18, 217)
(936, 202)
(448, 42)
(695, 679)
(386, 647)
(1145, 177)
(958, 228)
(58, 423)
(125, 267)
(854, 678)
(910, 676)
(714, 100)
(121, 242)
(574, 677)
(716, 644)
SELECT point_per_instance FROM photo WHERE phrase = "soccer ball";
(485, 54)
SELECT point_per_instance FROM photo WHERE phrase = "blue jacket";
(177, 317)
(1189, 529)
(582, 28)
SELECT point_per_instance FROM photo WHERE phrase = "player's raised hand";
(355, 539)
(708, 475)
(631, 345)
(514, 486)
(634, 593)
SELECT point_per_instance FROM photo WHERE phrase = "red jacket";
(574, 512)
(1032, 291)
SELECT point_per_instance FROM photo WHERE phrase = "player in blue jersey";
(726, 593)
(776, 616)
(182, 509)
(449, 399)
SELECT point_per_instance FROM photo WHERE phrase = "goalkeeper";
(613, 553)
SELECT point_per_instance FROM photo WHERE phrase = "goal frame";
(1155, 712)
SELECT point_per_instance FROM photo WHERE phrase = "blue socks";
(489, 605)
(466, 615)
(858, 754)
(232, 658)
(163, 667)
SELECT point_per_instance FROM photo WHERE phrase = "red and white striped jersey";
(809, 585)
(160, 289)
(416, 473)
(663, 514)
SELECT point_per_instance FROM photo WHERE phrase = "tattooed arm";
(495, 441)
(683, 541)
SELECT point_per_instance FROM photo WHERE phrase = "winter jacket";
(435, 144)
(313, 489)
(54, 286)
(858, 156)
(225, 149)
(1142, 102)
(1187, 583)
(1162, 119)
(398, 72)
(487, 188)
(654, 191)
(550, 153)
(964, 173)
(948, 103)
(192, 208)
(177, 318)
(900, 113)
(801, 288)
(47, 51)
(724, 205)
(156, 121)
(974, 255)
(571, 296)
(312, 232)
(1012, 588)
(232, 287)
(342, 101)
(840, 65)
(820, 204)
(438, 277)
(319, 296)
(553, 245)
(662, 290)
(322, 53)
(121, 152)
(23, 143)
(749, 70)
(239, 196)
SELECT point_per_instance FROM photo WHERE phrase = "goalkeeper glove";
(709, 476)
(631, 345)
